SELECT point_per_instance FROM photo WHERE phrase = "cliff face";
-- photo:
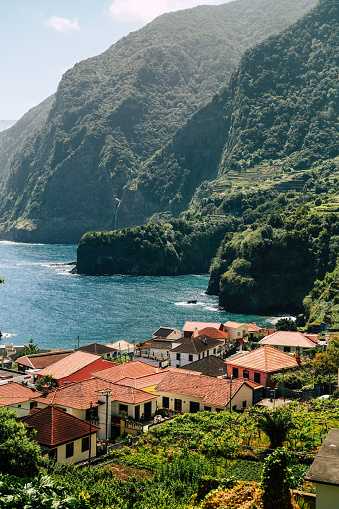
(113, 112)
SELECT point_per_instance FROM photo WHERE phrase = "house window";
(257, 378)
(243, 332)
(85, 444)
(246, 374)
(207, 408)
(165, 402)
(94, 411)
(219, 409)
(178, 356)
(33, 404)
(235, 372)
(190, 358)
(178, 405)
(234, 407)
(214, 351)
(123, 409)
(199, 357)
(69, 450)
(207, 353)
(238, 333)
(287, 349)
(203, 354)
(244, 403)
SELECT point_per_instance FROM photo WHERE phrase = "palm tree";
(276, 425)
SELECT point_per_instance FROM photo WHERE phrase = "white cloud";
(63, 25)
(147, 10)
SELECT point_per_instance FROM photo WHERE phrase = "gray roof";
(325, 467)
(197, 344)
(211, 366)
(163, 332)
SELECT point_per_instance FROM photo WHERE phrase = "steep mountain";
(113, 112)
(271, 141)
(13, 138)
(5, 124)
(281, 103)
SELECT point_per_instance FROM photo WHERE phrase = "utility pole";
(90, 434)
(78, 342)
(107, 393)
(231, 394)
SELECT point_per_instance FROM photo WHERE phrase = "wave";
(190, 304)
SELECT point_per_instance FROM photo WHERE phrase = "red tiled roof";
(266, 359)
(144, 381)
(313, 337)
(79, 395)
(253, 327)
(69, 365)
(212, 391)
(211, 332)
(254, 385)
(13, 392)
(55, 427)
(287, 338)
(42, 360)
(132, 369)
(190, 326)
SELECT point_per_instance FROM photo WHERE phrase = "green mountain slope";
(13, 138)
(281, 103)
(114, 111)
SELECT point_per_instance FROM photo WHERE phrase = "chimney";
(195, 332)
(297, 356)
(45, 389)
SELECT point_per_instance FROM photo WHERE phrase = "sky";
(41, 39)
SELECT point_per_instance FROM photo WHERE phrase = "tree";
(276, 425)
(19, 452)
(328, 362)
(30, 349)
(46, 380)
(277, 478)
(286, 324)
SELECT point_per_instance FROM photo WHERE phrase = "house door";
(137, 413)
(148, 410)
(165, 402)
(194, 407)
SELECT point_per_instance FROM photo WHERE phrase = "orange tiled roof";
(69, 365)
(212, 391)
(131, 369)
(13, 392)
(55, 427)
(253, 327)
(144, 381)
(79, 395)
(42, 360)
(266, 359)
(212, 332)
(190, 326)
(287, 338)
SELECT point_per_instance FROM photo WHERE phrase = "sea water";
(43, 301)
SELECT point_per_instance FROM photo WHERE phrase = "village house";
(101, 401)
(260, 364)
(255, 332)
(98, 349)
(167, 333)
(122, 347)
(11, 375)
(76, 366)
(61, 436)
(209, 366)
(289, 341)
(192, 393)
(18, 397)
(190, 327)
(39, 361)
(131, 369)
(236, 330)
(324, 472)
(195, 348)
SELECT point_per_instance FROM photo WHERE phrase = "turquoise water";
(43, 301)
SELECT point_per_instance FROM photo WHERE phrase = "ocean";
(41, 300)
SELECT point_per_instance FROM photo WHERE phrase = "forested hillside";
(13, 138)
(112, 112)
(276, 186)
(281, 103)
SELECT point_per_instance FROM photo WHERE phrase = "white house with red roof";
(62, 436)
(260, 364)
(289, 341)
(190, 327)
(188, 392)
(18, 397)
